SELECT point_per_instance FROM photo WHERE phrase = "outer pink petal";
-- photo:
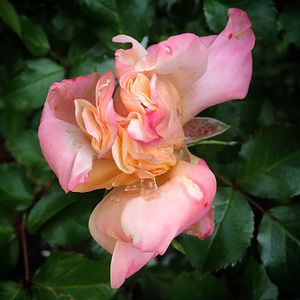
(229, 66)
(144, 222)
(62, 94)
(154, 220)
(66, 150)
(126, 261)
(182, 59)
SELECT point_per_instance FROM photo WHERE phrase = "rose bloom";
(132, 138)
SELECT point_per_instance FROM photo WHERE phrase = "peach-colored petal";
(229, 66)
(126, 260)
(144, 221)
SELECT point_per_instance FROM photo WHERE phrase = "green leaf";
(234, 227)
(215, 14)
(72, 276)
(25, 149)
(28, 89)
(62, 219)
(7, 231)
(290, 20)
(34, 37)
(271, 163)
(279, 241)
(257, 285)
(136, 17)
(15, 192)
(11, 290)
(103, 10)
(9, 257)
(193, 286)
(9, 15)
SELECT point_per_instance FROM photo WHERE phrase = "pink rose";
(133, 138)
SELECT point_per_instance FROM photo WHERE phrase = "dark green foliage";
(255, 249)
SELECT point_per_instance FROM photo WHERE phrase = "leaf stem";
(23, 232)
(235, 187)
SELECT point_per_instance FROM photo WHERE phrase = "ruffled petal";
(229, 66)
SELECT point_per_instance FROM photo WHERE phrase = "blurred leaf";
(65, 25)
(15, 192)
(104, 11)
(136, 17)
(11, 290)
(9, 257)
(257, 285)
(34, 37)
(62, 219)
(25, 149)
(28, 89)
(12, 123)
(290, 20)
(9, 15)
(279, 241)
(72, 276)
(7, 231)
(232, 235)
(201, 128)
(54, 201)
(71, 225)
(271, 163)
(215, 14)
(193, 286)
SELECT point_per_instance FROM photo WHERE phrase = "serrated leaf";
(279, 241)
(33, 37)
(61, 218)
(234, 227)
(9, 15)
(28, 89)
(199, 128)
(257, 285)
(72, 276)
(193, 286)
(271, 163)
(15, 192)
(7, 231)
(11, 290)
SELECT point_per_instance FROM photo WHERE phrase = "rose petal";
(144, 222)
(229, 66)
(70, 156)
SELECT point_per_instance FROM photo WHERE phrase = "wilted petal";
(229, 66)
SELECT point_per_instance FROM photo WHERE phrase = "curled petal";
(229, 66)
(144, 222)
